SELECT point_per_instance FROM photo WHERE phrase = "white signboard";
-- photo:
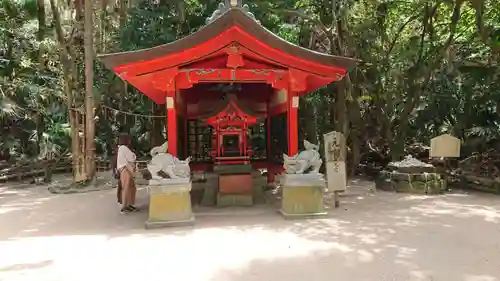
(445, 146)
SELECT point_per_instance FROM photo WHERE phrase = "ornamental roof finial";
(234, 3)
(227, 5)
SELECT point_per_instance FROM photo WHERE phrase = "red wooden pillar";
(270, 170)
(186, 152)
(172, 124)
(292, 122)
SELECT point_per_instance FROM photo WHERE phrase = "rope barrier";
(132, 114)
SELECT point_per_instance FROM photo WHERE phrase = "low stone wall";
(481, 183)
(418, 183)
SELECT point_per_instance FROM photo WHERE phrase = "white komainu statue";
(308, 160)
(169, 164)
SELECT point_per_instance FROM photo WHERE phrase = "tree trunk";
(89, 92)
(341, 118)
(357, 127)
(40, 37)
(79, 6)
(123, 12)
(41, 28)
(68, 77)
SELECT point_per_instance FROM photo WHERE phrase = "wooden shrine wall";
(279, 138)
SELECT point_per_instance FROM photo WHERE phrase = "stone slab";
(336, 176)
(288, 216)
(226, 200)
(171, 223)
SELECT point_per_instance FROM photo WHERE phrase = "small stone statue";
(167, 163)
(307, 161)
(221, 9)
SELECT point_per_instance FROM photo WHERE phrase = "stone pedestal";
(169, 203)
(302, 196)
(235, 185)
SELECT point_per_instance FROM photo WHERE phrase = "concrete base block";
(170, 206)
(302, 202)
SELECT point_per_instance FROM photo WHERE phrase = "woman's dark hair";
(124, 139)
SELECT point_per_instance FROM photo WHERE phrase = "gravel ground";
(373, 236)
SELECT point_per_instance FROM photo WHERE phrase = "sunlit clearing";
(146, 256)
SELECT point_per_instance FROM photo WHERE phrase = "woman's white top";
(125, 156)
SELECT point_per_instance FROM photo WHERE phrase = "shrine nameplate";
(445, 146)
(335, 155)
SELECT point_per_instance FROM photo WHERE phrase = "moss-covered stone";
(421, 183)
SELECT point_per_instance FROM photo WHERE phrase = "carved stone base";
(169, 205)
(302, 196)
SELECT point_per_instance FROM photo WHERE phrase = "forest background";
(427, 67)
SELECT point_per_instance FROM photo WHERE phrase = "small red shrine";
(231, 123)
(231, 89)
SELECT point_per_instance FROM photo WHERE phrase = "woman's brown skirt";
(119, 190)
(126, 184)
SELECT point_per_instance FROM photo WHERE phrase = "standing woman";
(125, 164)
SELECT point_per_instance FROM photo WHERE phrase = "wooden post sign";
(445, 146)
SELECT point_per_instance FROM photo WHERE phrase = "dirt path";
(374, 236)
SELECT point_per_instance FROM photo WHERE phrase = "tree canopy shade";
(232, 47)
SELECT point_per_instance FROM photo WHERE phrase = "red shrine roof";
(232, 39)
(232, 113)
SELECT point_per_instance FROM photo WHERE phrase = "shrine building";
(231, 89)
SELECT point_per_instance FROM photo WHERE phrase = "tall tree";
(89, 90)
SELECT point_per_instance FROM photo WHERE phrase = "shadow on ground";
(373, 236)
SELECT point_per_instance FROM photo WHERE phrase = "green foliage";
(29, 79)
(427, 67)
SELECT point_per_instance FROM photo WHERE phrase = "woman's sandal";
(126, 210)
(133, 208)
